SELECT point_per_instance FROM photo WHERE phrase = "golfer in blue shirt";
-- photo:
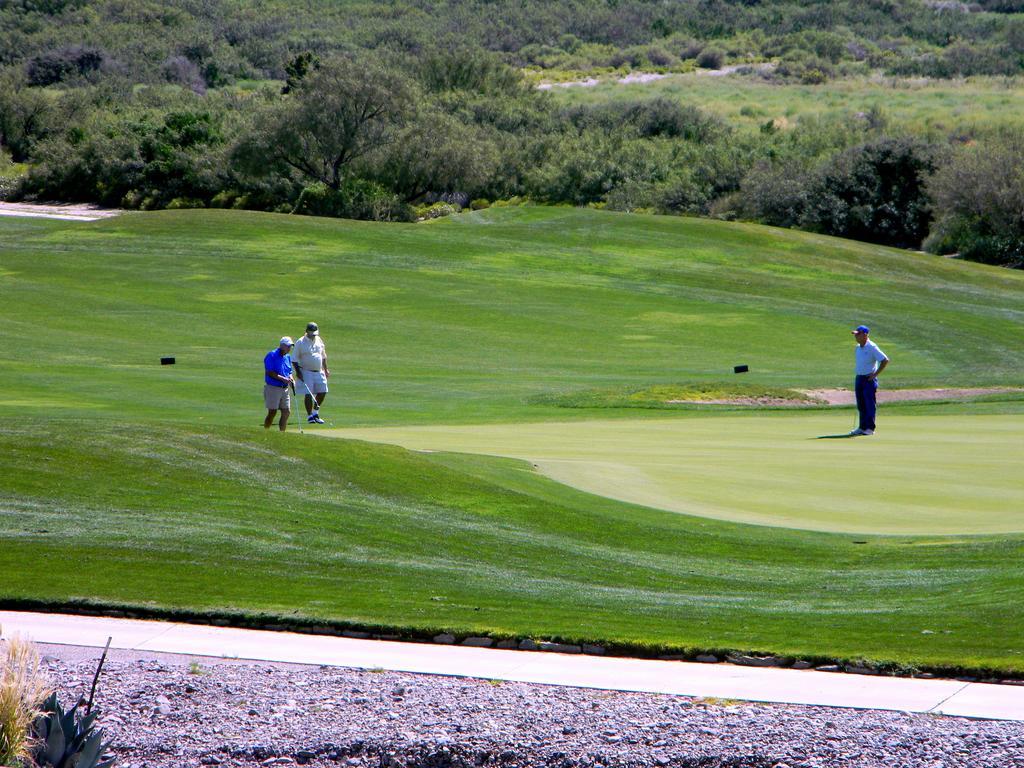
(277, 381)
(870, 361)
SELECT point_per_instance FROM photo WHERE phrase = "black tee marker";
(740, 369)
(166, 361)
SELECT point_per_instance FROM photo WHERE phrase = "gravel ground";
(172, 712)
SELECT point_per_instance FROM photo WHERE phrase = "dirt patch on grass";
(65, 211)
(847, 397)
(754, 401)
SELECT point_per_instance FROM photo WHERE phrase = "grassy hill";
(126, 483)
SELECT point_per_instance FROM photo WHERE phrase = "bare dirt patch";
(847, 397)
(65, 211)
(752, 401)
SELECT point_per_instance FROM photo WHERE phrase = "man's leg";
(309, 405)
(320, 396)
(285, 413)
(858, 388)
(870, 404)
(270, 418)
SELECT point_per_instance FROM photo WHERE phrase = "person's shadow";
(843, 436)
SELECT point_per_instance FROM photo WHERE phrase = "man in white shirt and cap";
(310, 359)
(870, 361)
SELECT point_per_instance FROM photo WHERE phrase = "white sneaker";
(868, 432)
(859, 431)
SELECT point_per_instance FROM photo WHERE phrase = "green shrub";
(978, 196)
(224, 199)
(511, 202)
(356, 199)
(874, 192)
(479, 204)
(68, 739)
(436, 210)
(179, 203)
(711, 58)
(132, 199)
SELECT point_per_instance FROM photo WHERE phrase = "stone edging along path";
(169, 617)
(753, 683)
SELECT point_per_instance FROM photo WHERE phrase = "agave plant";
(68, 739)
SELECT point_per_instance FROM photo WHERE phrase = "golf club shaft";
(316, 405)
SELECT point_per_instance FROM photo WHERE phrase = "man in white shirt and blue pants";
(870, 361)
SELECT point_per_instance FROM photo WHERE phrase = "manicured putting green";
(918, 475)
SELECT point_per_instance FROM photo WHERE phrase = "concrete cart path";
(724, 681)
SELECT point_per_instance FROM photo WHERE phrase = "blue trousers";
(866, 389)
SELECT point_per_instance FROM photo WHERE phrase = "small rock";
(560, 648)
(859, 670)
(829, 668)
(707, 658)
(756, 661)
(211, 760)
(801, 664)
(672, 657)
(444, 639)
(478, 642)
(594, 650)
(507, 645)
(568, 730)
(528, 645)
(355, 635)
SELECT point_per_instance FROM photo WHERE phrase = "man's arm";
(279, 377)
(881, 367)
(297, 360)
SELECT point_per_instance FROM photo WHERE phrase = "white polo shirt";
(309, 355)
(868, 358)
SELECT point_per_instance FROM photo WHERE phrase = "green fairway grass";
(235, 522)
(128, 483)
(918, 475)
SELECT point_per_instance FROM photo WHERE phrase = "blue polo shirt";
(276, 362)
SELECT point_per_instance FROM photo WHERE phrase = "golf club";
(316, 406)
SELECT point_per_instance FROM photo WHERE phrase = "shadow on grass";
(834, 437)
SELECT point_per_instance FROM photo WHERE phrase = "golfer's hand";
(327, 373)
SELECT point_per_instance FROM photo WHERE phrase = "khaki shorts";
(277, 398)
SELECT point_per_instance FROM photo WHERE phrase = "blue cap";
(861, 329)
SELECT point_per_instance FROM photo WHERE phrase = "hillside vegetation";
(393, 112)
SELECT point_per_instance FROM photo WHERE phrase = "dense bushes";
(217, 41)
(979, 200)
(125, 103)
(356, 199)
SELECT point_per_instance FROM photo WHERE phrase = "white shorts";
(315, 380)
